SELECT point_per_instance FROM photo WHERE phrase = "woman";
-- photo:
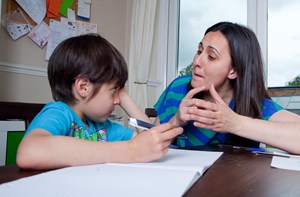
(225, 99)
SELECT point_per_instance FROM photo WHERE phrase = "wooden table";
(235, 173)
(242, 173)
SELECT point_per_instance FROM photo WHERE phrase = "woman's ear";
(232, 74)
(83, 86)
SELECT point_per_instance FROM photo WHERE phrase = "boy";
(87, 77)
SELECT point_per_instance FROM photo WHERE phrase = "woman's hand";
(215, 115)
(186, 108)
(153, 144)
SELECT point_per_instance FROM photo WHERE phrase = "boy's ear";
(83, 86)
(232, 74)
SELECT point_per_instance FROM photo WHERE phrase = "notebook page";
(198, 161)
(102, 180)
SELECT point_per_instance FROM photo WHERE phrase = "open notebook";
(172, 176)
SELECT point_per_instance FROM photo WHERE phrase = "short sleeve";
(269, 108)
(117, 132)
(55, 117)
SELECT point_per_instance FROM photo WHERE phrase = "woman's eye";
(211, 57)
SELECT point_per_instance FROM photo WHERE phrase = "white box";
(9, 125)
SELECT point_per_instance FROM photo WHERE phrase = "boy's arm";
(40, 150)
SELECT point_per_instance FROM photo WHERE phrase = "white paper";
(118, 180)
(100, 180)
(182, 160)
(40, 34)
(36, 9)
(84, 9)
(16, 30)
(85, 27)
(292, 162)
(60, 32)
(64, 20)
(71, 15)
(16, 24)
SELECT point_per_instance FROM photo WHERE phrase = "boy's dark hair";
(87, 56)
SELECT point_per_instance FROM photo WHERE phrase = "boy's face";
(102, 104)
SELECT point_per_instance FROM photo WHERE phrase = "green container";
(13, 140)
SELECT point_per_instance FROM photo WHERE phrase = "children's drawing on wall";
(60, 31)
(16, 24)
(40, 34)
(48, 22)
(35, 9)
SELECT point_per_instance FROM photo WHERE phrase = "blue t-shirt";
(59, 119)
(168, 104)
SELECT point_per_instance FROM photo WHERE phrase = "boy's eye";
(115, 90)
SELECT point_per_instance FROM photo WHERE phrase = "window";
(196, 16)
(279, 36)
(283, 43)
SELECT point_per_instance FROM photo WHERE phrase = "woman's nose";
(197, 60)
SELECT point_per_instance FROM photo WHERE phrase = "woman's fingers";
(194, 91)
(215, 94)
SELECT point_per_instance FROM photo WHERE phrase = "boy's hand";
(153, 143)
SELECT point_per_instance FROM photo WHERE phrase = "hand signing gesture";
(215, 115)
(186, 108)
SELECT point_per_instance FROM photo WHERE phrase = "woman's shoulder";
(269, 108)
(271, 103)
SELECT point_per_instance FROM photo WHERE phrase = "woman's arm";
(132, 110)
(40, 150)
(129, 106)
(282, 130)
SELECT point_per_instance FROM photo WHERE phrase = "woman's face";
(212, 62)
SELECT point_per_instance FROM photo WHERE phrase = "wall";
(22, 65)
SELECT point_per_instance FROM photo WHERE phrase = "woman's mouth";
(198, 76)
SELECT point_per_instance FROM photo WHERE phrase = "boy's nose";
(117, 100)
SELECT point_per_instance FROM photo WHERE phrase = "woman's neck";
(226, 93)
